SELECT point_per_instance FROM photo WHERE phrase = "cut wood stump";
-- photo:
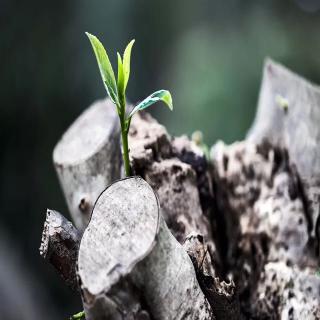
(232, 237)
(136, 251)
(88, 158)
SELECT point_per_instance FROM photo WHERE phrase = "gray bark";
(261, 187)
(222, 295)
(267, 230)
(88, 158)
(135, 249)
(59, 246)
(288, 115)
(179, 172)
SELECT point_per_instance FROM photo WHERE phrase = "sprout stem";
(125, 148)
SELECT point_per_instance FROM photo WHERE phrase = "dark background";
(209, 54)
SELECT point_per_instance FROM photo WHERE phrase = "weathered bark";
(287, 292)
(261, 188)
(88, 158)
(264, 209)
(288, 116)
(59, 245)
(178, 171)
(221, 295)
(135, 250)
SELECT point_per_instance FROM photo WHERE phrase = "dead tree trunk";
(236, 237)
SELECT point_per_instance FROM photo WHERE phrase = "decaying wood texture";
(267, 229)
(233, 237)
(87, 158)
(135, 249)
(178, 171)
(263, 189)
(59, 245)
(222, 295)
(289, 116)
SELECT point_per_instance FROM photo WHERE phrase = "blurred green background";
(209, 54)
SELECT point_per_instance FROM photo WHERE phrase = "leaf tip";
(89, 35)
(167, 98)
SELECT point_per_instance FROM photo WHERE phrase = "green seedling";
(197, 138)
(282, 102)
(116, 90)
(78, 316)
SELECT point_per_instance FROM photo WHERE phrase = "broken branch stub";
(59, 245)
(88, 158)
(128, 245)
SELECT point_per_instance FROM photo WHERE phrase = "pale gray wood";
(266, 223)
(59, 245)
(288, 115)
(127, 244)
(294, 293)
(88, 158)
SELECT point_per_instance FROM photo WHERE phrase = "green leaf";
(120, 76)
(105, 67)
(161, 95)
(126, 64)
(78, 316)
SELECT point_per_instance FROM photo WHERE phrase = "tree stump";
(232, 237)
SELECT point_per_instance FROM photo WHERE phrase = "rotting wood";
(222, 295)
(179, 172)
(252, 215)
(288, 115)
(264, 210)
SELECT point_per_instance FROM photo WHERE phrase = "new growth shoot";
(116, 89)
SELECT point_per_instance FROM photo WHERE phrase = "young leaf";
(161, 95)
(120, 76)
(78, 316)
(105, 67)
(126, 63)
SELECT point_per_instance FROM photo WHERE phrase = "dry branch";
(59, 245)
(87, 159)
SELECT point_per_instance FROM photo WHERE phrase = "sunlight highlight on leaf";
(161, 95)
(105, 67)
(126, 63)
